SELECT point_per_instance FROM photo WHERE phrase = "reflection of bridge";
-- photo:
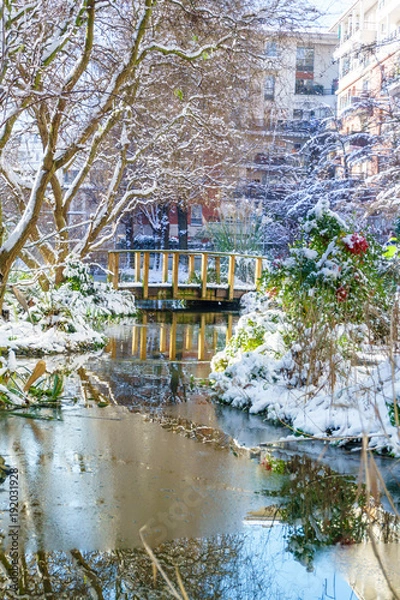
(185, 274)
(182, 340)
(193, 347)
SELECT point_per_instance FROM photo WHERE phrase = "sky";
(332, 9)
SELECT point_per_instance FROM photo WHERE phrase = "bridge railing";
(175, 268)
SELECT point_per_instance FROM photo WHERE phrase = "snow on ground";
(63, 319)
(24, 337)
(255, 377)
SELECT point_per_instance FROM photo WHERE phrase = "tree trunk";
(5, 269)
(164, 224)
(129, 240)
(182, 227)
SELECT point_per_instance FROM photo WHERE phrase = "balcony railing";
(313, 90)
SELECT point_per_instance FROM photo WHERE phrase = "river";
(163, 464)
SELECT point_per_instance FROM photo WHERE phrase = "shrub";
(333, 275)
(77, 276)
(334, 282)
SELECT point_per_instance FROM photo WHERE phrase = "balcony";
(390, 8)
(314, 89)
(362, 36)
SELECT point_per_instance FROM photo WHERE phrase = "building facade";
(368, 55)
(292, 94)
(368, 52)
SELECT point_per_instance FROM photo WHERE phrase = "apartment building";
(292, 93)
(369, 51)
(368, 55)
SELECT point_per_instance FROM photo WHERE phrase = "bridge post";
(231, 277)
(204, 265)
(217, 269)
(146, 266)
(113, 268)
(175, 273)
(137, 266)
(258, 270)
(165, 257)
(191, 267)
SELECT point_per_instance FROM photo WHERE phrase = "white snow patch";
(361, 404)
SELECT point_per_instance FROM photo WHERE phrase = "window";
(297, 113)
(269, 87)
(271, 49)
(305, 59)
(196, 215)
(70, 175)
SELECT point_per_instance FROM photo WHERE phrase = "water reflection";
(90, 481)
(175, 336)
(157, 361)
(325, 508)
(249, 566)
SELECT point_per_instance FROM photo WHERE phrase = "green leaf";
(178, 93)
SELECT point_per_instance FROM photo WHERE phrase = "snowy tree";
(327, 169)
(93, 99)
(74, 83)
(385, 178)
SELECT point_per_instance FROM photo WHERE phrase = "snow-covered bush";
(77, 275)
(320, 352)
(336, 291)
(333, 275)
(65, 307)
(66, 317)
(78, 298)
(254, 331)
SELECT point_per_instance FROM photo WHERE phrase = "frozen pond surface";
(90, 480)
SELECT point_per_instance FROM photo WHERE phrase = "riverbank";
(254, 373)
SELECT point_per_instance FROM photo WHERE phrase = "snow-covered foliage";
(333, 275)
(259, 378)
(322, 361)
(22, 387)
(63, 318)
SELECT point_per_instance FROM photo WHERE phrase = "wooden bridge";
(184, 274)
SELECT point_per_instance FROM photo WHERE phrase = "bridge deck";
(185, 275)
(190, 291)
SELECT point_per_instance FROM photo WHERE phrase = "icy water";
(165, 465)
